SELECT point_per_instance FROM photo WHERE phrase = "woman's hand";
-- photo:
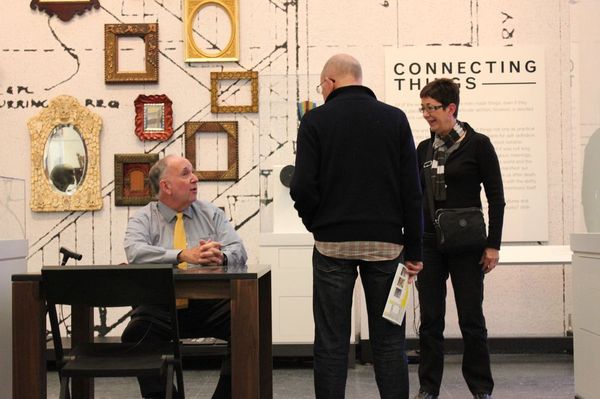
(489, 259)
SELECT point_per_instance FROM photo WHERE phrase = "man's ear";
(165, 186)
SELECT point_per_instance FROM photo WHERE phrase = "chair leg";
(169, 379)
(64, 388)
(179, 376)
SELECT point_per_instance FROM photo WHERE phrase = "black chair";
(112, 286)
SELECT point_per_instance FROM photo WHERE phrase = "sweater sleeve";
(411, 196)
(304, 187)
(494, 191)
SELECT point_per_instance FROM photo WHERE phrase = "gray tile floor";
(516, 376)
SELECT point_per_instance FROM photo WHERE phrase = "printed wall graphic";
(502, 95)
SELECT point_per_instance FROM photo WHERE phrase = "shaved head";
(344, 68)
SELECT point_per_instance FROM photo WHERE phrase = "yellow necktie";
(180, 242)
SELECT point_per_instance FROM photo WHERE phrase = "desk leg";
(245, 344)
(28, 340)
(266, 340)
(82, 323)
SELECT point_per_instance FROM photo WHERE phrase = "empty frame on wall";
(149, 34)
(231, 130)
(211, 30)
(64, 10)
(132, 182)
(234, 77)
(153, 117)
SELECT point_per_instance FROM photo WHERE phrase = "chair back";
(109, 286)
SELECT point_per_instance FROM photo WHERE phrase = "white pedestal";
(290, 257)
(586, 318)
(12, 261)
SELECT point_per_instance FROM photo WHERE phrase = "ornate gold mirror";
(211, 30)
(65, 157)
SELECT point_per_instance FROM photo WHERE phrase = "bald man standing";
(356, 187)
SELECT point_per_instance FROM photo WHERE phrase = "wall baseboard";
(512, 345)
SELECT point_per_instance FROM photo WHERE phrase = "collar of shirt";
(170, 214)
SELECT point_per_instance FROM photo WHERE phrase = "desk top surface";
(193, 273)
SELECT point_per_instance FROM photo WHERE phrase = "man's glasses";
(429, 108)
(320, 85)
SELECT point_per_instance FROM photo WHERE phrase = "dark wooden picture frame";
(149, 33)
(231, 129)
(153, 117)
(132, 184)
(64, 10)
(215, 77)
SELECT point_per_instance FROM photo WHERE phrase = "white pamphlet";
(395, 308)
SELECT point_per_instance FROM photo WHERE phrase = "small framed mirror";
(65, 9)
(153, 117)
(65, 157)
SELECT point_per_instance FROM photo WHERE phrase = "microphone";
(67, 254)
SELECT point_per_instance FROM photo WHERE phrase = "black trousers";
(203, 318)
(467, 282)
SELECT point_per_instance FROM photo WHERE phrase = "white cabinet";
(586, 317)
(290, 257)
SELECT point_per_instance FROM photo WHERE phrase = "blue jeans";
(467, 281)
(333, 285)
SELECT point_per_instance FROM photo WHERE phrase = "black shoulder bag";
(456, 229)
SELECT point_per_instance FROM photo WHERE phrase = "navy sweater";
(356, 175)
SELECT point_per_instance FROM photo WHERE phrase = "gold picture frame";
(72, 181)
(231, 52)
(64, 10)
(215, 77)
(231, 129)
(132, 182)
(149, 33)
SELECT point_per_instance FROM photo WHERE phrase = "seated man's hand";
(205, 253)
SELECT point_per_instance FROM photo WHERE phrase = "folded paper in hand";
(395, 308)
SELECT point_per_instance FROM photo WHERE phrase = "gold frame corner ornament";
(65, 110)
(193, 53)
(149, 33)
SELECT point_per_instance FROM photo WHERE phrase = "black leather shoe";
(426, 395)
(482, 396)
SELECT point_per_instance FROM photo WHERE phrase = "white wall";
(287, 43)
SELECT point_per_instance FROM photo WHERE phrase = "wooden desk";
(247, 287)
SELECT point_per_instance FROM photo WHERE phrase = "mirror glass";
(65, 159)
(154, 117)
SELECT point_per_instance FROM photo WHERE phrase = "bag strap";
(428, 187)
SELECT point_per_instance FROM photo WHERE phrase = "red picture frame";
(153, 117)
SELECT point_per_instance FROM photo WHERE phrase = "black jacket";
(356, 175)
(474, 163)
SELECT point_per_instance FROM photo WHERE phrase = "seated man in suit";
(154, 235)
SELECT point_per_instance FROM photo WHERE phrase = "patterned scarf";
(442, 148)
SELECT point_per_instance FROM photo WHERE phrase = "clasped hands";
(207, 252)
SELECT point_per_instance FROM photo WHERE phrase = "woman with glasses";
(454, 162)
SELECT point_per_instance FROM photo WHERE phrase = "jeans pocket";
(326, 264)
